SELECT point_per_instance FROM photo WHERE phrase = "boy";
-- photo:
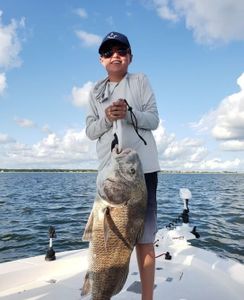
(107, 105)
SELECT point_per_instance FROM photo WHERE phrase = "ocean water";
(31, 202)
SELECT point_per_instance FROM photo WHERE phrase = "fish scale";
(110, 267)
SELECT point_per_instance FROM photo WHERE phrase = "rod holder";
(50, 255)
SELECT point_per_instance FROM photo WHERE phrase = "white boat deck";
(192, 274)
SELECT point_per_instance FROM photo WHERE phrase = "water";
(31, 202)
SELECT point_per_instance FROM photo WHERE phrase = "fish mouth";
(110, 180)
(117, 151)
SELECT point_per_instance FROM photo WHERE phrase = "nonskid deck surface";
(191, 274)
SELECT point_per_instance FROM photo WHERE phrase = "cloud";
(88, 39)
(46, 129)
(73, 146)
(189, 154)
(72, 150)
(10, 47)
(206, 122)
(185, 150)
(25, 123)
(218, 164)
(162, 138)
(165, 11)
(178, 154)
(5, 139)
(234, 145)
(226, 122)
(81, 12)
(210, 20)
(3, 83)
(10, 44)
(80, 95)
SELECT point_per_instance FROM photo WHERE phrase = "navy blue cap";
(114, 37)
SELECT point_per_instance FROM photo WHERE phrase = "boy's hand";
(116, 111)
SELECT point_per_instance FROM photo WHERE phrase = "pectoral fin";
(87, 235)
(86, 285)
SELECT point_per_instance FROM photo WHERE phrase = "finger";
(119, 103)
(108, 113)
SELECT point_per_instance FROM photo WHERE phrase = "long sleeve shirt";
(135, 88)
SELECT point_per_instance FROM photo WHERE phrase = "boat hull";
(191, 274)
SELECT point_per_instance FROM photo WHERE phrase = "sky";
(191, 51)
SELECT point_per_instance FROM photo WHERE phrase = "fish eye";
(132, 171)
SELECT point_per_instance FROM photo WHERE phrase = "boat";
(183, 271)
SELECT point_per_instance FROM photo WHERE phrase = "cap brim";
(106, 44)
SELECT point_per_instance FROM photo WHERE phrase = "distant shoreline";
(47, 171)
(3, 170)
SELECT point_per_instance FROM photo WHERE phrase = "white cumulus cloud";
(176, 154)
(165, 10)
(10, 44)
(10, 48)
(220, 165)
(3, 83)
(210, 20)
(226, 122)
(162, 138)
(234, 145)
(5, 139)
(185, 149)
(73, 148)
(80, 94)
(70, 150)
(88, 39)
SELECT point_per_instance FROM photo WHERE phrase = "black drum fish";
(115, 224)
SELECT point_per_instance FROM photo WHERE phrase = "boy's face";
(116, 59)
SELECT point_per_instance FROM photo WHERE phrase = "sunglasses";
(121, 51)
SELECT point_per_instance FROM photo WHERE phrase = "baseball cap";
(113, 37)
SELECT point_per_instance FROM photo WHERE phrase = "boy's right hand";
(116, 111)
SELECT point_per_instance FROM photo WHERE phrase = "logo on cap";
(112, 36)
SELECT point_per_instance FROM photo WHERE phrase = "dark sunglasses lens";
(109, 53)
(122, 52)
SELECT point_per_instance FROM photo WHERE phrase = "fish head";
(121, 178)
